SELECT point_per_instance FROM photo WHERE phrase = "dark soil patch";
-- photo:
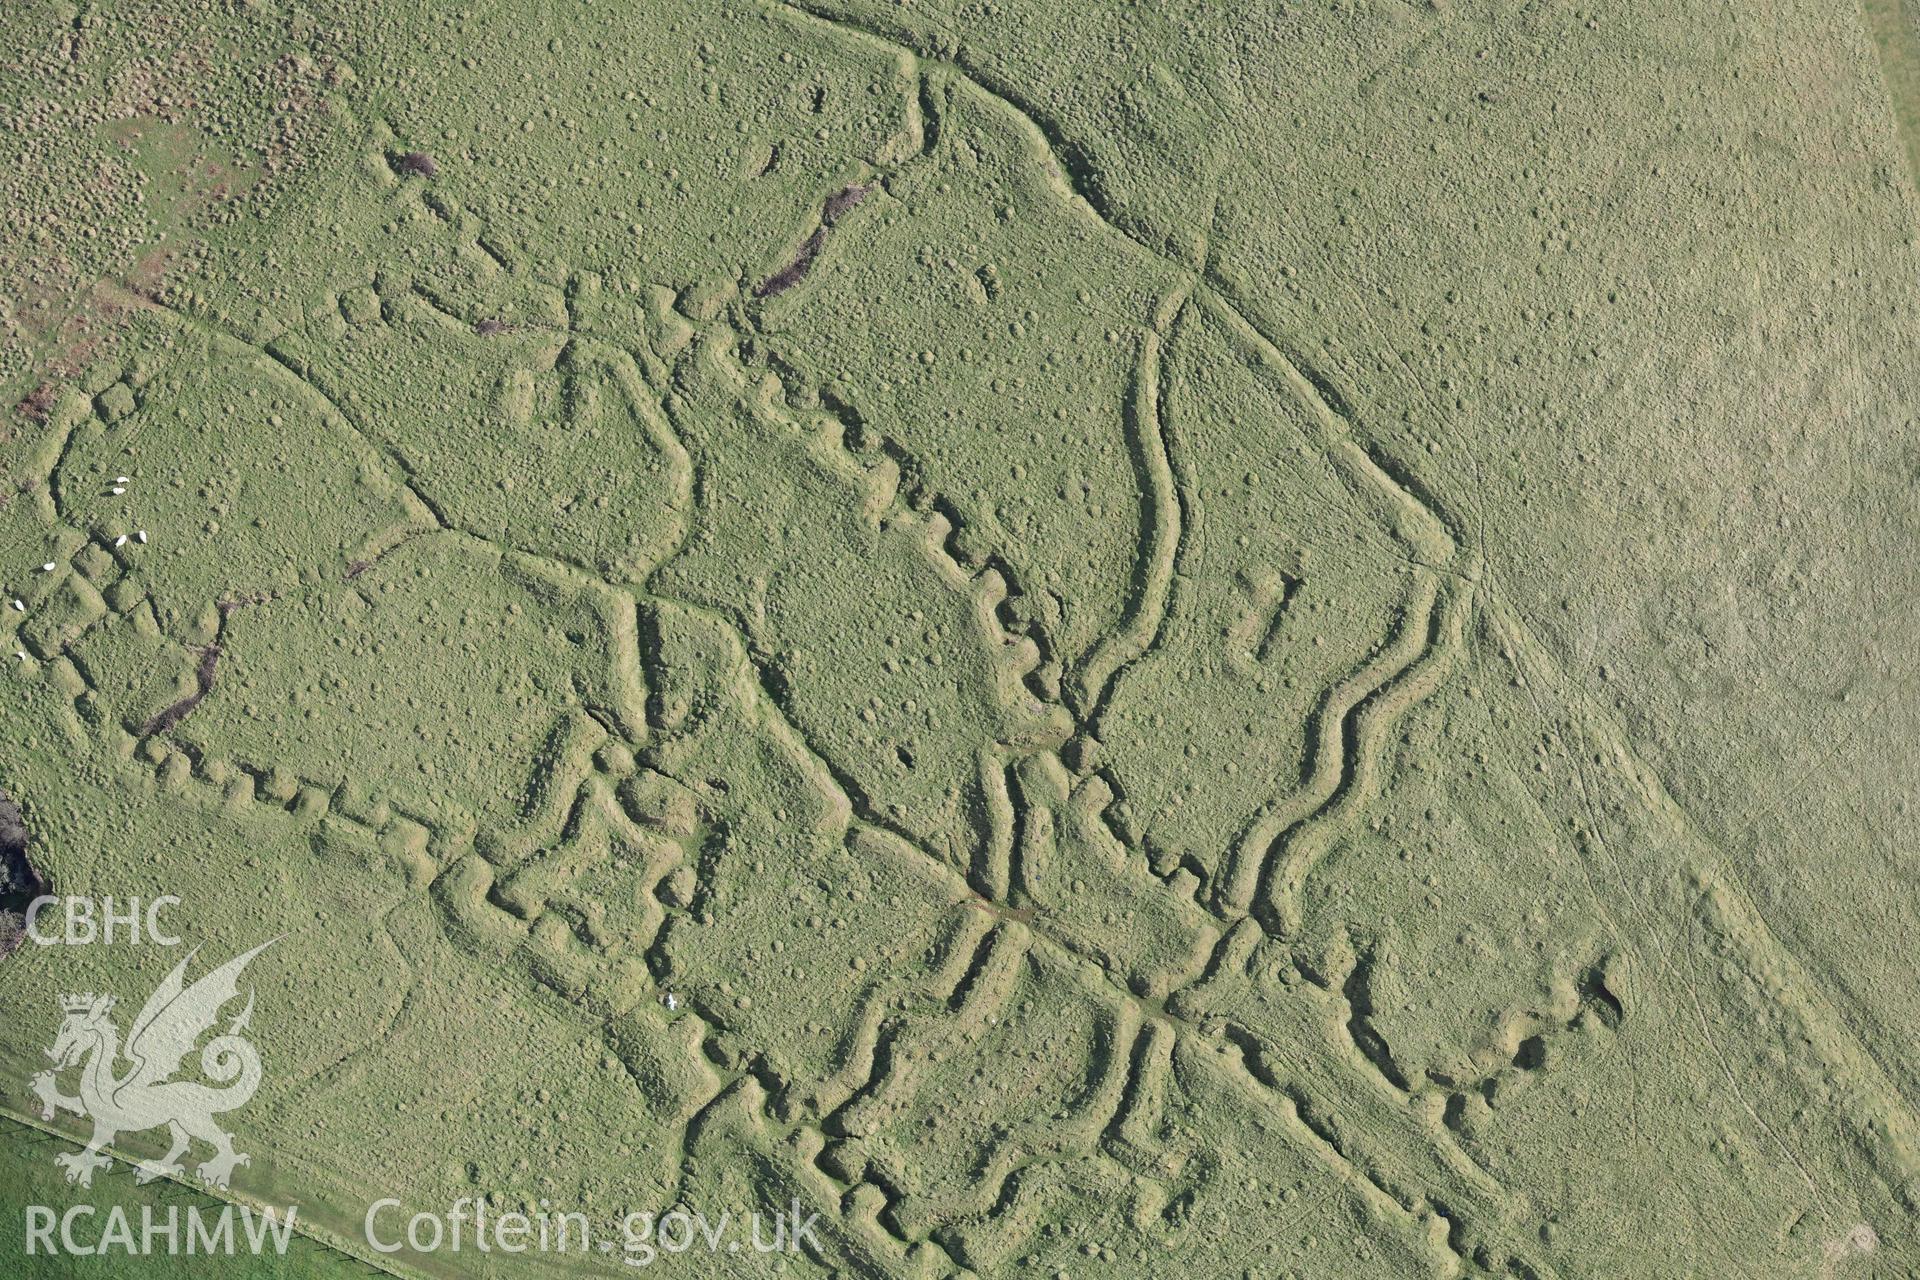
(20, 882)
(415, 164)
(842, 202)
(837, 206)
(794, 272)
(38, 403)
(203, 680)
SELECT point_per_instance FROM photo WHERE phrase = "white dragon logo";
(143, 1097)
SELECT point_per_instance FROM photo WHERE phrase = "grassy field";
(1896, 36)
(1133, 641)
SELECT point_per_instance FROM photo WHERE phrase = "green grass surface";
(27, 1177)
(1124, 640)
